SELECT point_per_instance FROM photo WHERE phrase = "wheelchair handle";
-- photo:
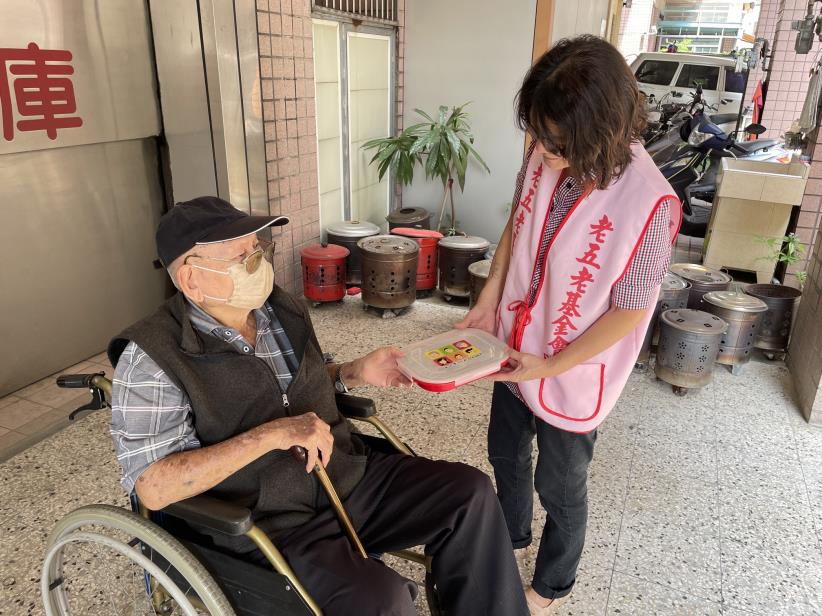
(77, 381)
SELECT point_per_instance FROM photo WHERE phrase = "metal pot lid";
(329, 251)
(353, 228)
(696, 321)
(465, 242)
(734, 300)
(408, 214)
(416, 233)
(388, 244)
(480, 269)
(672, 282)
(699, 273)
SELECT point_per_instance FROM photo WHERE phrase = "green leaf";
(425, 115)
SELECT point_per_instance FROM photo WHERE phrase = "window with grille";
(374, 10)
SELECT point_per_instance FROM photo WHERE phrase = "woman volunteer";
(572, 289)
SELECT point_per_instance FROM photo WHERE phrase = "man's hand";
(307, 431)
(525, 367)
(378, 368)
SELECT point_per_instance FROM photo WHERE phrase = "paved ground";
(707, 504)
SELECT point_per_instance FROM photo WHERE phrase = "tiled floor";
(42, 408)
(707, 504)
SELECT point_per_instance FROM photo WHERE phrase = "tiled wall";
(635, 25)
(805, 353)
(810, 215)
(789, 76)
(765, 28)
(787, 86)
(287, 87)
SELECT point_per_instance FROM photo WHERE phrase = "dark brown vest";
(231, 393)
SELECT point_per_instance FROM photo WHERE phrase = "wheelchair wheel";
(102, 559)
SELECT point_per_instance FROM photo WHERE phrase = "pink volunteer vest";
(589, 253)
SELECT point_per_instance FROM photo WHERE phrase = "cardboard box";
(753, 200)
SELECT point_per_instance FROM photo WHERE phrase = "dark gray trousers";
(560, 481)
(403, 501)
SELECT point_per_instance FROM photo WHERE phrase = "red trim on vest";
(523, 308)
(561, 415)
(644, 231)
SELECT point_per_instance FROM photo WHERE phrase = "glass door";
(354, 79)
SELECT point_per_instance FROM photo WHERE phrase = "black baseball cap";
(205, 220)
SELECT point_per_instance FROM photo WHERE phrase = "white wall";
(463, 50)
(588, 17)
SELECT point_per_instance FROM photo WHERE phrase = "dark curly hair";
(584, 86)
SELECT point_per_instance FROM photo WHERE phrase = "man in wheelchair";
(212, 391)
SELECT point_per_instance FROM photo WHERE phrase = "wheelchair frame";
(230, 519)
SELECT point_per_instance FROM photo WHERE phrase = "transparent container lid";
(457, 357)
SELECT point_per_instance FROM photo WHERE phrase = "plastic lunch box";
(457, 357)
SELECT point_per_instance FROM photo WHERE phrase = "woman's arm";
(609, 329)
(484, 314)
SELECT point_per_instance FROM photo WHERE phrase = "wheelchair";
(165, 563)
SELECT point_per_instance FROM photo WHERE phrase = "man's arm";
(188, 473)
(159, 451)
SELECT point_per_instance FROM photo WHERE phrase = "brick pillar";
(400, 83)
(287, 86)
(805, 354)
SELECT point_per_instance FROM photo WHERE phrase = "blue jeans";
(560, 480)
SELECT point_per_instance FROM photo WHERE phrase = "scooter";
(665, 118)
(692, 168)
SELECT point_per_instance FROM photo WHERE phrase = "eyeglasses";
(265, 250)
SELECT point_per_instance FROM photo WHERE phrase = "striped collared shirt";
(151, 417)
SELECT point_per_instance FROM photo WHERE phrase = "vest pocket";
(576, 394)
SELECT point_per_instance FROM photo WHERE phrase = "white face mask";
(250, 290)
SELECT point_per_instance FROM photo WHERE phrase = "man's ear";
(187, 283)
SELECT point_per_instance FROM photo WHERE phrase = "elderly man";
(213, 389)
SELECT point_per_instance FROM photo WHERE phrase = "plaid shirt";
(151, 417)
(647, 268)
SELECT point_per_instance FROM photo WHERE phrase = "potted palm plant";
(443, 146)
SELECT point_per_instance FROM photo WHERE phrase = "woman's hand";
(378, 368)
(524, 367)
(481, 316)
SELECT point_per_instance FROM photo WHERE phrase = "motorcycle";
(665, 118)
(691, 169)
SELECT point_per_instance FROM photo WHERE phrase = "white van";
(660, 73)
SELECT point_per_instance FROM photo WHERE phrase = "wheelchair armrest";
(355, 407)
(212, 513)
